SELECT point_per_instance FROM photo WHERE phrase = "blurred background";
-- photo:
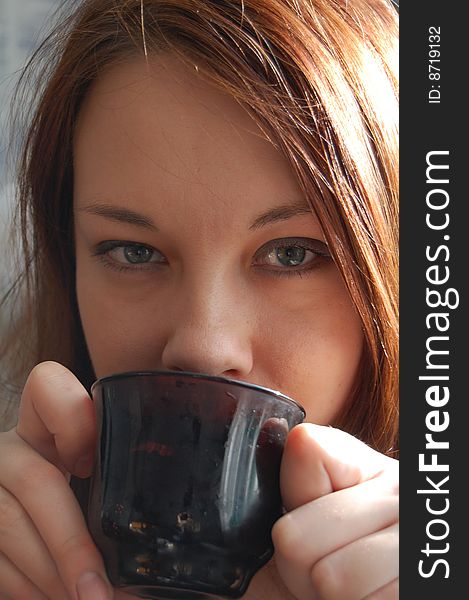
(23, 23)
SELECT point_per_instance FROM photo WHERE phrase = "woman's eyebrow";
(125, 215)
(122, 215)
(282, 213)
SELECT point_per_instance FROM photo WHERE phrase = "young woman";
(211, 186)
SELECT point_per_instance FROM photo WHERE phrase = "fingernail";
(91, 586)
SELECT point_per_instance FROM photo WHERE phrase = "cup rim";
(193, 375)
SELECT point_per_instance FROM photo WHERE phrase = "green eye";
(291, 256)
(137, 254)
(122, 255)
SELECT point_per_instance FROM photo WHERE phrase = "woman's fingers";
(14, 584)
(47, 498)
(343, 502)
(55, 435)
(32, 557)
(312, 532)
(57, 418)
(360, 568)
(318, 460)
(335, 520)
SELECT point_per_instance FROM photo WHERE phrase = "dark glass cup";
(185, 489)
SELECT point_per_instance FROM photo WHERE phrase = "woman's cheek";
(314, 355)
(122, 330)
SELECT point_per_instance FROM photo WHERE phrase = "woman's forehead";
(161, 124)
(164, 92)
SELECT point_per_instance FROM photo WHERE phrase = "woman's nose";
(209, 333)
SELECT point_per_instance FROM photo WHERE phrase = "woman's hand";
(46, 550)
(339, 540)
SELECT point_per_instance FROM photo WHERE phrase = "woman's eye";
(292, 256)
(123, 255)
(135, 255)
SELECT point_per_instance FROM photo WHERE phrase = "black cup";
(186, 483)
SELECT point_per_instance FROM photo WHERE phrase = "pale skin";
(194, 200)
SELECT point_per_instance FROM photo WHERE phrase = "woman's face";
(194, 248)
